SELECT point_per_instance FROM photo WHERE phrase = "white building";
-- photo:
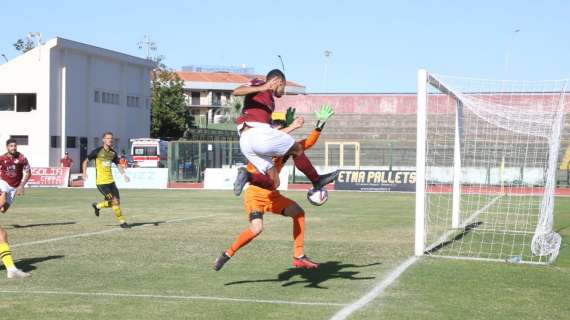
(64, 94)
(207, 92)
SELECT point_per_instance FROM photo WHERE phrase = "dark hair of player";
(107, 133)
(11, 140)
(275, 73)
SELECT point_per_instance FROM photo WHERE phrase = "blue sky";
(377, 46)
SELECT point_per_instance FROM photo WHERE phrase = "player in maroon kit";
(259, 142)
(14, 174)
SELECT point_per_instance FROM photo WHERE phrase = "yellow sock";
(103, 204)
(118, 214)
(6, 256)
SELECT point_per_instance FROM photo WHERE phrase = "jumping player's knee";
(256, 222)
(293, 210)
(296, 149)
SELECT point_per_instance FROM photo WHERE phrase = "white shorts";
(9, 190)
(261, 143)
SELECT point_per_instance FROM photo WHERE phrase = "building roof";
(98, 51)
(224, 77)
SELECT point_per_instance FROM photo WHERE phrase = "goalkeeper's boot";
(222, 259)
(125, 225)
(304, 262)
(241, 179)
(17, 273)
(97, 210)
(325, 179)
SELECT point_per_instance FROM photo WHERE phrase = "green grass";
(359, 238)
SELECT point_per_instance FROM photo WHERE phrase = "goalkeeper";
(258, 200)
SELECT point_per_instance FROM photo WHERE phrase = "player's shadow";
(154, 223)
(29, 264)
(314, 278)
(458, 237)
(19, 226)
(140, 224)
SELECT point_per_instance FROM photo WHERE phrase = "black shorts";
(109, 190)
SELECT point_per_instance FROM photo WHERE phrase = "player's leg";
(7, 194)
(289, 208)
(254, 144)
(3, 202)
(6, 257)
(116, 206)
(97, 206)
(245, 237)
(303, 163)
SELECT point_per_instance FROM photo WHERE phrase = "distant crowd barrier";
(49, 177)
(140, 178)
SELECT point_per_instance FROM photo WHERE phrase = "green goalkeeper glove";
(289, 116)
(323, 116)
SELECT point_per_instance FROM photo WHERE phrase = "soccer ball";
(317, 197)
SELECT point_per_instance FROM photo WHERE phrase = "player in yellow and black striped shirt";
(104, 157)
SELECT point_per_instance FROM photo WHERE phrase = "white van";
(148, 152)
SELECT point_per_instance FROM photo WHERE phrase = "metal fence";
(187, 160)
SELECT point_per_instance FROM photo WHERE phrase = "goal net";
(487, 155)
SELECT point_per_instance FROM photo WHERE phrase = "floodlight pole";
(328, 54)
(509, 52)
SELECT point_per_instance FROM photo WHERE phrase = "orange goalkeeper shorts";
(261, 200)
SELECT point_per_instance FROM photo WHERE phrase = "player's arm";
(120, 167)
(84, 168)
(26, 176)
(323, 115)
(246, 89)
(91, 156)
(310, 141)
(296, 124)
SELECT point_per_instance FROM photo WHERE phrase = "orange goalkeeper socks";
(244, 238)
(299, 234)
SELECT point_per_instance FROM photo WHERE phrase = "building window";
(20, 140)
(25, 102)
(109, 98)
(133, 101)
(97, 96)
(55, 141)
(195, 98)
(71, 142)
(216, 98)
(7, 102)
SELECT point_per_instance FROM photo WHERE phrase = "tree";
(24, 46)
(169, 117)
(232, 108)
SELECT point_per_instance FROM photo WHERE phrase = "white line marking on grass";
(376, 291)
(88, 234)
(172, 297)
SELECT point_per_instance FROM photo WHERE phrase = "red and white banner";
(49, 177)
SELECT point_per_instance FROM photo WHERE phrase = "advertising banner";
(376, 180)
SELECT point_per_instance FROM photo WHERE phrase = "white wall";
(66, 78)
(28, 74)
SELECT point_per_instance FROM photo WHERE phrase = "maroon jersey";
(257, 107)
(66, 162)
(12, 168)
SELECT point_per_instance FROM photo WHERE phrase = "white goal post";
(487, 155)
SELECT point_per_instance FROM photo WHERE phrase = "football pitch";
(86, 267)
